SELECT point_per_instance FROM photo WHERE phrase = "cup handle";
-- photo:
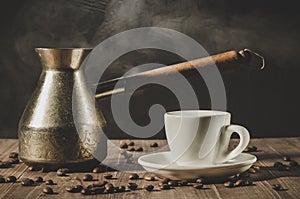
(225, 139)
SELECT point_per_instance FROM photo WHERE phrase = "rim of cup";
(196, 113)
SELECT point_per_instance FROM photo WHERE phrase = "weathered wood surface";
(270, 150)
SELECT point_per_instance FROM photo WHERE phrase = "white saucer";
(160, 164)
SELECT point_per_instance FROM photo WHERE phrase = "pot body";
(60, 126)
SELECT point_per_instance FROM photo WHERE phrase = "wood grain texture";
(270, 150)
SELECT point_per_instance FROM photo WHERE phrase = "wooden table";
(269, 151)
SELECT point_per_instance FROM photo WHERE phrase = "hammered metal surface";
(60, 122)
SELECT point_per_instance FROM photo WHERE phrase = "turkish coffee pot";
(60, 126)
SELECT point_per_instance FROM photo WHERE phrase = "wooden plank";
(270, 150)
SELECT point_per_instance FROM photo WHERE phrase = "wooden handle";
(225, 61)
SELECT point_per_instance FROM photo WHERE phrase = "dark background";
(266, 102)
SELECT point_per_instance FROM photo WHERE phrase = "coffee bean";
(238, 183)
(149, 178)
(198, 186)
(2, 180)
(62, 172)
(131, 143)
(132, 185)
(49, 182)
(257, 168)
(97, 170)
(251, 170)
(165, 180)
(149, 187)
(293, 163)
(5, 164)
(139, 149)
(11, 179)
(13, 161)
(13, 155)
(133, 176)
(228, 184)
(120, 189)
(154, 144)
(200, 180)
(183, 183)
(164, 187)
(286, 158)
(277, 187)
(173, 183)
(87, 177)
(244, 175)
(109, 188)
(48, 190)
(277, 164)
(107, 176)
(98, 190)
(27, 182)
(74, 189)
(123, 146)
(32, 168)
(86, 192)
(131, 149)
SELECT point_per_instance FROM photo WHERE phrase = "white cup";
(202, 137)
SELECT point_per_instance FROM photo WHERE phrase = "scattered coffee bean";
(139, 149)
(183, 183)
(164, 187)
(198, 186)
(120, 189)
(131, 149)
(87, 177)
(27, 182)
(277, 187)
(49, 182)
(86, 192)
(13, 161)
(131, 143)
(132, 185)
(32, 168)
(123, 146)
(48, 190)
(97, 170)
(109, 188)
(62, 172)
(247, 183)
(98, 190)
(293, 163)
(154, 144)
(173, 183)
(251, 170)
(165, 180)
(149, 187)
(286, 158)
(74, 189)
(200, 180)
(133, 176)
(244, 175)
(107, 176)
(149, 178)
(228, 184)
(38, 179)
(5, 164)
(238, 183)
(2, 180)
(11, 179)
(277, 164)
(257, 168)
(13, 155)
